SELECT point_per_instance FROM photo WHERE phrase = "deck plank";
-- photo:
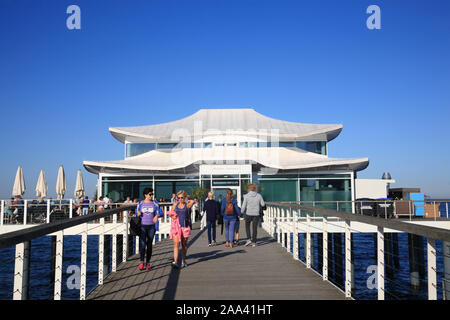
(264, 272)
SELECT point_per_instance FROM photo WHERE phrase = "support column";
(59, 249)
(21, 271)
(380, 262)
(431, 265)
(325, 249)
(101, 253)
(83, 270)
(446, 258)
(348, 260)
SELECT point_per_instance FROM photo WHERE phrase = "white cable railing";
(283, 219)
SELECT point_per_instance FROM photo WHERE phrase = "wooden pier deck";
(265, 272)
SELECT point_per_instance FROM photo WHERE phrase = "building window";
(319, 147)
(134, 149)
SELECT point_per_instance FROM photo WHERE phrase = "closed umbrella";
(19, 183)
(41, 186)
(79, 186)
(61, 183)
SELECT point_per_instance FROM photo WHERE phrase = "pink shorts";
(185, 232)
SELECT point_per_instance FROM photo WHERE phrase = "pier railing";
(31, 211)
(82, 225)
(115, 245)
(325, 240)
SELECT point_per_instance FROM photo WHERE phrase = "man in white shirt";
(106, 200)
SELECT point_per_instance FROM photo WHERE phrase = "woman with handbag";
(182, 208)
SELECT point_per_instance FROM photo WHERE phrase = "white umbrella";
(19, 183)
(41, 186)
(61, 183)
(79, 186)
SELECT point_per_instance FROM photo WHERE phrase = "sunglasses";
(150, 194)
(180, 197)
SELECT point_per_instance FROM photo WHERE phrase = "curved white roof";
(245, 122)
(278, 158)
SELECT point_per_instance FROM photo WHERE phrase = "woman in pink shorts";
(181, 207)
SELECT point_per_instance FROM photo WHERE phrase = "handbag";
(135, 226)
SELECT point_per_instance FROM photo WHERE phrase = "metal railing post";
(446, 205)
(380, 262)
(290, 229)
(58, 265)
(348, 260)
(83, 263)
(325, 248)
(48, 211)
(101, 249)
(21, 270)
(70, 208)
(308, 240)
(295, 235)
(125, 237)
(114, 246)
(25, 211)
(431, 265)
(2, 213)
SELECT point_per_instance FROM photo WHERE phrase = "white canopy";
(61, 183)
(244, 122)
(19, 183)
(79, 185)
(278, 158)
(41, 186)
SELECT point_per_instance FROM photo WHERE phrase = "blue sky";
(145, 62)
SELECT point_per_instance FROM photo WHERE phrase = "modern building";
(229, 148)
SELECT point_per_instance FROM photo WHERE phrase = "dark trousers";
(211, 225)
(146, 241)
(254, 220)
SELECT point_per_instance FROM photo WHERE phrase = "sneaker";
(209, 244)
(248, 243)
(254, 244)
(214, 243)
(148, 266)
(174, 265)
(141, 266)
(183, 264)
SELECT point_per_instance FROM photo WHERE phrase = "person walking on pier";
(229, 212)
(253, 202)
(211, 211)
(149, 212)
(181, 208)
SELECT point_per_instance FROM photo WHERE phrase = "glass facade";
(325, 192)
(322, 189)
(134, 149)
(276, 190)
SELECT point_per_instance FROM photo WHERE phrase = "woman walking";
(181, 207)
(149, 212)
(230, 211)
(211, 211)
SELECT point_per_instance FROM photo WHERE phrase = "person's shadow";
(210, 255)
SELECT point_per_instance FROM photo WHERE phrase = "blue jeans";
(146, 240)
(211, 225)
(229, 229)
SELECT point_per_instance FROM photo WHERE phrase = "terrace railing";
(283, 220)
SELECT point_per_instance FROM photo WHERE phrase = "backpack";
(229, 208)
